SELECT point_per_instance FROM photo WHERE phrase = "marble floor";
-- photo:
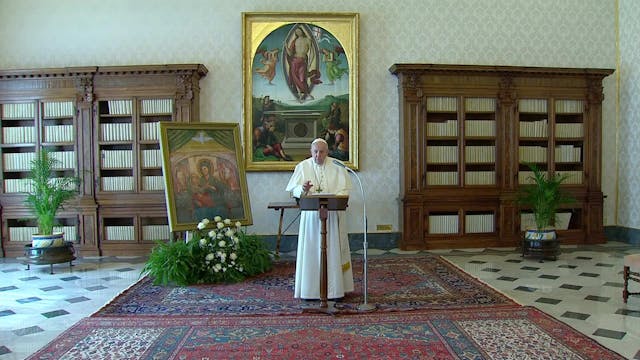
(583, 288)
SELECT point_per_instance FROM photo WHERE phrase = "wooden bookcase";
(101, 122)
(466, 132)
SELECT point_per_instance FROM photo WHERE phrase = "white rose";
(238, 225)
(217, 266)
(222, 243)
(209, 257)
(220, 225)
(233, 256)
(217, 219)
(227, 221)
(219, 236)
(229, 233)
(203, 242)
(212, 234)
(201, 225)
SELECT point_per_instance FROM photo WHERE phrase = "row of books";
(480, 127)
(480, 177)
(532, 153)
(116, 132)
(442, 178)
(59, 133)
(155, 232)
(536, 106)
(479, 223)
(569, 107)
(147, 106)
(19, 111)
(540, 106)
(442, 154)
(479, 154)
(450, 104)
(122, 159)
(151, 158)
(156, 106)
(149, 131)
(445, 128)
(23, 233)
(117, 183)
(120, 107)
(116, 159)
(153, 183)
(442, 104)
(125, 183)
(443, 224)
(568, 153)
(534, 128)
(119, 233)
(569, 130)
(480, 104)
(58, 109)
(27, 134)
(18, 134)
(573, 177)
(471, 128)
(22, 161)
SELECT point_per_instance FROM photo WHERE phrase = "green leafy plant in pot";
(543, 197)
(47, 195)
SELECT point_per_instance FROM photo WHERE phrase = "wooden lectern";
(323, 203)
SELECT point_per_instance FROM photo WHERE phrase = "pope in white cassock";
(318, 174)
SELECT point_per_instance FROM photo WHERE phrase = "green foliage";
(172, 263)
(544, 196)
(49, 192)
(217, 252)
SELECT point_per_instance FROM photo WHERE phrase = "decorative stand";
(323, 204)
(541, 244)
(49, 255)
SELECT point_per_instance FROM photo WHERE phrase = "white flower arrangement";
(219, 241)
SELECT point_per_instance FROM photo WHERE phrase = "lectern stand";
(322, 204)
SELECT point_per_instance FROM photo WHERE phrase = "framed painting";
(204, 173)
(300, 77)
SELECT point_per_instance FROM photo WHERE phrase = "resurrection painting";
(300, 78)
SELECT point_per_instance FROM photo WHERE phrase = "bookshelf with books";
(466, 133)
(101, 123)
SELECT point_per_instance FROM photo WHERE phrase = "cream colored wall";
(629, 124)
(567, 33)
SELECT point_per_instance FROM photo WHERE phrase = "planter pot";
(49, 255)
(542, 243)
(45, 241)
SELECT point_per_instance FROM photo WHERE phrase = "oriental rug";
(507, 332)
(397, 283)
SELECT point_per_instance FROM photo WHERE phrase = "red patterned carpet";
(481, 333)
(188, 323)
(394, 284)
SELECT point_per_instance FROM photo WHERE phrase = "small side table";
(281, 206)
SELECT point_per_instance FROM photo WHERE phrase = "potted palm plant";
(48, 193)
(542, 197)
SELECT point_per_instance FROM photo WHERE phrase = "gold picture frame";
(204, 173)
(300, 79)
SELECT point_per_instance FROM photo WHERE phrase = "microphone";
(364, 306)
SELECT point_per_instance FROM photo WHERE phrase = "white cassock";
(333, 179)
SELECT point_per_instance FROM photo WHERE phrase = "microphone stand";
(364, 306)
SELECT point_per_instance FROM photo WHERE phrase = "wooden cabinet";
(101, 122)
(467, 133)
